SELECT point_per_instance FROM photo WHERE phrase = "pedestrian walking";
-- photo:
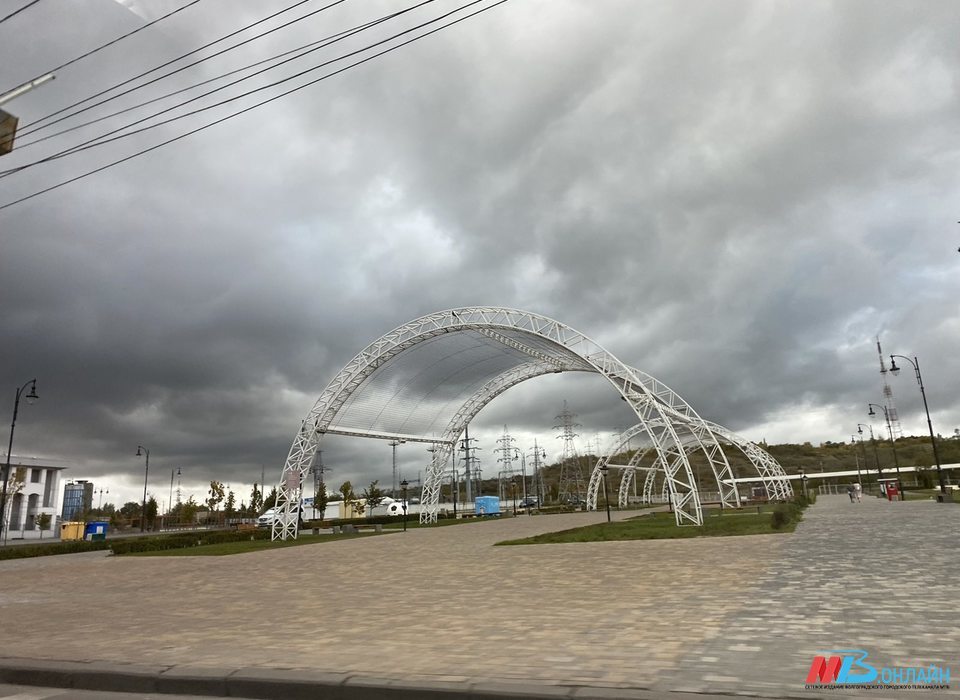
(851, 492)
(858, 490)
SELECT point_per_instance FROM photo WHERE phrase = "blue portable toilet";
(487, 505)
(96, 530)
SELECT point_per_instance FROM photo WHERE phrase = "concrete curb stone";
(292, 684)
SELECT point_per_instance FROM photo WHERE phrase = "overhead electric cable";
(27, 129)
(306, 49)
(17, 12)
(251, 107)
(118, 39)
(103, 138)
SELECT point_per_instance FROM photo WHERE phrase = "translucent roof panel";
(419, 390)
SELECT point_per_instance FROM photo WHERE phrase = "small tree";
(230, 505)
(151, 514)
(256, 500)
(216, 496)
(271, 500)
(188, 510)
(373, 495)
(321, 498)
(43, 522)
(350, 499)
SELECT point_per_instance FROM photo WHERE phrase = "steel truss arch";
(649, 399)
(771, 473)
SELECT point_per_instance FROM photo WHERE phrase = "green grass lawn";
(657, 526)
(225, 548)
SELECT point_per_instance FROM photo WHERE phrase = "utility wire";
(305, 49)
(17, 12)
(251, 107)
(27, 128)
(103, 139)
(113, 41)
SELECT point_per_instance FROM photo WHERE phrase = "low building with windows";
(33, 491)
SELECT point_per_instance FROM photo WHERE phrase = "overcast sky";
(734, 197)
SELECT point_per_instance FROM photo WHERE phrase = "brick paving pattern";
(735, 614)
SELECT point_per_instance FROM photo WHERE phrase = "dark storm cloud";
(735, 198)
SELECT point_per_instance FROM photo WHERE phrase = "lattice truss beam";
(772, 475)
(425, 380)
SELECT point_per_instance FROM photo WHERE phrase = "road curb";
(290, 684)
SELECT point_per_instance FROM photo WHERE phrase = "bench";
(351, 529)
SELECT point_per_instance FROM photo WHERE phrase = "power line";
(17, 12)
(250, 108)
(170, 62)
(113, 41)
(328, 41)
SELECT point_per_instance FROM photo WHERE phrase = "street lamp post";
(393, 444)
(606, 499)
(803, 483)
(403, 488)
(933, 441)
(873, 443)
(141, 450)
(30, 398)
(896, 461)
(853, 441)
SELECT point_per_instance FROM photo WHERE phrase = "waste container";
(71, 531)
(95, 531)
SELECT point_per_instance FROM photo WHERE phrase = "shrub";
(28, 551)
(781, 517)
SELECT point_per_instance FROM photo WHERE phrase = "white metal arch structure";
(772, 475)
(519, 338)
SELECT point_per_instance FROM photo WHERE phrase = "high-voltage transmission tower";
(470, 462)
(506, 473)
(538, 454)
(571, 475)
(893, 419)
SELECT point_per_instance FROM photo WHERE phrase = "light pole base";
(945, 497)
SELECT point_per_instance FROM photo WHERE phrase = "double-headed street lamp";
(141, 450)
(933, 441)
(896, 462)
(30, 398)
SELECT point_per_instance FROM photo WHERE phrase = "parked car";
(530, 502)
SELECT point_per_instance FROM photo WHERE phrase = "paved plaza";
(709, 615)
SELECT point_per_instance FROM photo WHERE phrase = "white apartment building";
(32, 490)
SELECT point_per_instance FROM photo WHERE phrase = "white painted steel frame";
(650, 400)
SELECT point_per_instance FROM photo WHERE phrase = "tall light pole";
(606, 499)
(100, 500)
(896, 462)
(141, 450)
(933, 441)
(873, 442)
(393, 444)
(853, 441)
(30, 398)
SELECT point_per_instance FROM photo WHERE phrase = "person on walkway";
(850, 492)
(858, 490)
